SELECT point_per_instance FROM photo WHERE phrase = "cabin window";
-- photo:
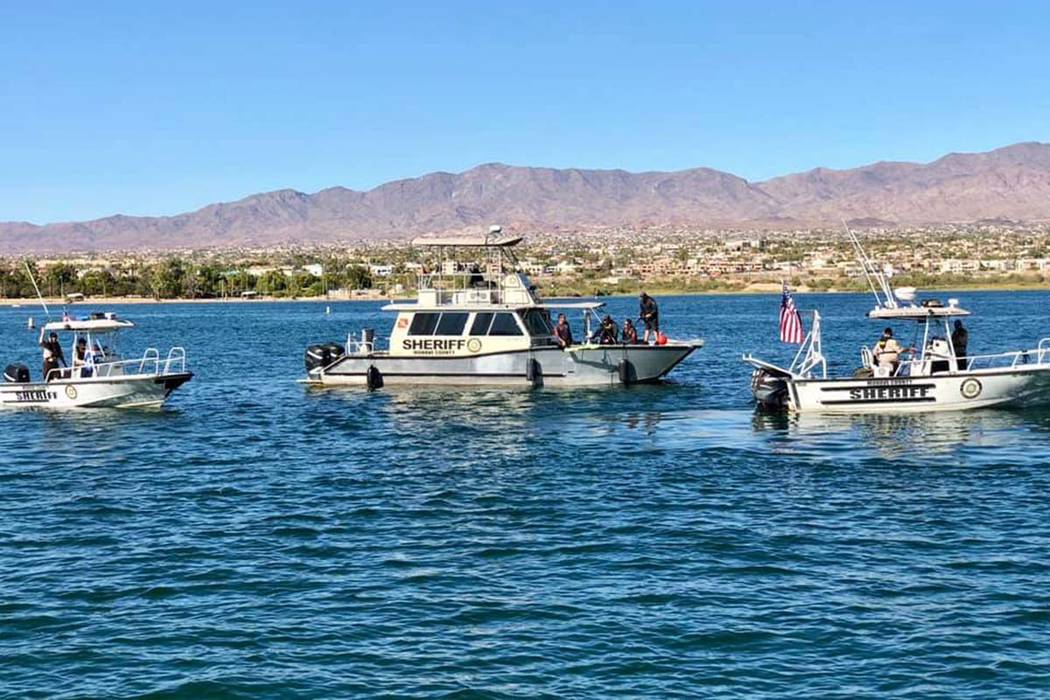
(538, 322)
(423, 324)
(504, 324)
(452, 323)
(481, 324)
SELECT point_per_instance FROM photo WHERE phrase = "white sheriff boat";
(102, 378)
(930, 378)
(485, 326)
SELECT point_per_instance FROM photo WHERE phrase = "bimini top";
(912, 311)
(495, 239)
(96, 322)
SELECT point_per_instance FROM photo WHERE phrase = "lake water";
(259, 539)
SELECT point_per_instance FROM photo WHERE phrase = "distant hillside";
(1008, 183)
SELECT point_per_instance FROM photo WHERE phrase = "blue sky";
(151, 108)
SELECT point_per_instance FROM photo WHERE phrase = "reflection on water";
(908, 437)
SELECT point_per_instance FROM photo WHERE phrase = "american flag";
(790, 322)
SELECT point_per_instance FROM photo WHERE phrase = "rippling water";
(259, 539)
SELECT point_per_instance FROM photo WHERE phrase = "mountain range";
(1008, 183)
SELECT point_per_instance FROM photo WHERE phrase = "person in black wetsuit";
(649, 314)
(608, 332)
(960, 337)
(562, 331)
(630, 333)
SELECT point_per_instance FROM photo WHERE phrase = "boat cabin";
(479, 307)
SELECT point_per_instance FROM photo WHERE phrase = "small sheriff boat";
(97, 376)
(926, 377)
(485, 326)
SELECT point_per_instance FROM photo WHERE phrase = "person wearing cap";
(887, 353)
(52, 350)
(649, 314)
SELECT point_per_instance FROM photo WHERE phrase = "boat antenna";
(39, 296)
(871, 274)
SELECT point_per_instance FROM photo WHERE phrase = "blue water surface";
(260, 539)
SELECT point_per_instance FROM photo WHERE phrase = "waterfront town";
(571, 262)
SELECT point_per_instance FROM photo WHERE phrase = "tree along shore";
(176, 280)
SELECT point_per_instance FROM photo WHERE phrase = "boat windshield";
(538, 322)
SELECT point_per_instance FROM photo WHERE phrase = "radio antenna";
(38, 294)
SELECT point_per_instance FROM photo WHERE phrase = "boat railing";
(1044, 350)
(150, 357)
(999, 360)
(175, 361)
(358, 346)
(148, 364)
(467, 288)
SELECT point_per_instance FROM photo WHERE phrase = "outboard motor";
(17, 374)
(770, 391)
(335, 351)
(320, 356)
(317, 356)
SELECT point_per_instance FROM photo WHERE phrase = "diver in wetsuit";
(630, 333)
(608, 331)
(649, 314)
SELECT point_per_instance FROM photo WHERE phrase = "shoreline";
(655, 291)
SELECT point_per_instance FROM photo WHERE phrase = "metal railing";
(357, 346)
(1001, 360)
(464, 288)
(149, 364)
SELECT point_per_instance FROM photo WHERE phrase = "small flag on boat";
(790, 322)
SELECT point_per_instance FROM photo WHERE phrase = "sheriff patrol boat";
(931, 378)
(485, 326)
(99, 377)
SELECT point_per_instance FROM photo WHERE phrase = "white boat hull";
(962, 391)
(133, 391)
(585, 365)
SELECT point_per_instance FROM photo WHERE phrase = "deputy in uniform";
(887, 352)
(53, 356)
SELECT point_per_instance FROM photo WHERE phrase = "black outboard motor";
(335, 351)
(17, 374)
(769, 390)
(320, 356)
(316, 358)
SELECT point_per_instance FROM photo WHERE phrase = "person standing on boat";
(562, 332)
(960, 337)
(52, 354)
(649, 314)
(630, 333)
(888, 352)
